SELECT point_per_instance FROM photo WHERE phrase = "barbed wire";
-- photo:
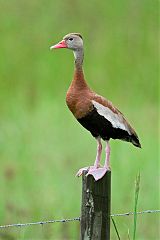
(72, 219)
(132, 213)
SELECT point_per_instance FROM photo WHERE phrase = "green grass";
(137, 187)
(41, 144)
(116, 229)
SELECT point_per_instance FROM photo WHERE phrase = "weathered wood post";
(96, 207)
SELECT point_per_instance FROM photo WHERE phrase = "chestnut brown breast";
(79, 102)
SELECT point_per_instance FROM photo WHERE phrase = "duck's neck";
(78, 58)
(78, 80)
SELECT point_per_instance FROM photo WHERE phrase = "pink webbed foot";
(80, 171)
(97, 173)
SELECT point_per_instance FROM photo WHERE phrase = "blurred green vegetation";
(41, 144)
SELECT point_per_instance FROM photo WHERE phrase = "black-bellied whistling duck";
(93, 111)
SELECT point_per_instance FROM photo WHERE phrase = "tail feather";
(135, 141)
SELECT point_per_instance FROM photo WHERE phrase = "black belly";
(99, 126)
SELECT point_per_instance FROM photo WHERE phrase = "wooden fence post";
(96, 207)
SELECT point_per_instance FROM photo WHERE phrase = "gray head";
(74, 42)
(71, 41)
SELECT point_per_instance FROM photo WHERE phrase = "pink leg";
(98, 158)
(99, 172)
(99, 151)
(107, 160)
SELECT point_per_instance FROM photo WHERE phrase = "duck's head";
(73, 41)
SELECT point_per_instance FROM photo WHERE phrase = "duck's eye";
(70, 39)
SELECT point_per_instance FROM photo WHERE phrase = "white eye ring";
(70, 39)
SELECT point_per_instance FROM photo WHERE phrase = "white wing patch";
(115, 119)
